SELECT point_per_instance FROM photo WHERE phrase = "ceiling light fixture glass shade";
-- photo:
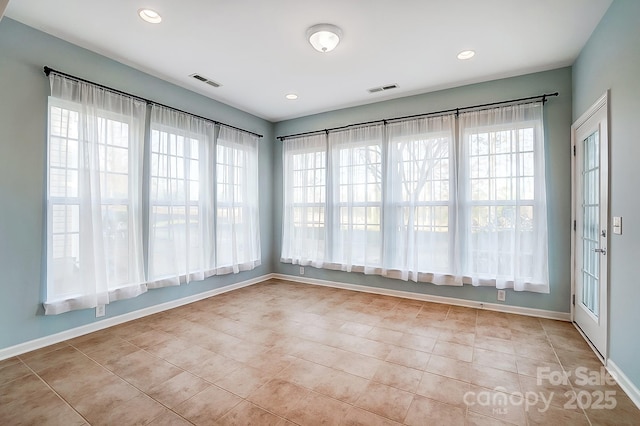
(466, 54)
(324, 37)
(291, 96)
(150, 15)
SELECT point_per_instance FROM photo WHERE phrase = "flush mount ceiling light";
(466, 54)
(324, 37)
(291, 96)
(150, 16)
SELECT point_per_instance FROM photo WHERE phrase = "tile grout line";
(56, 392)
(309, 338)
(128, 382)
(564, 371)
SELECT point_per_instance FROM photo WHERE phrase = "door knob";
(603, 251)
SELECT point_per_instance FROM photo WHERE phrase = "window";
(305, 165)
(237, 219)
(95, 209)
(503, 201)
(93, 197)
(408, 200)
(421, 196)
(64, 202)
(356, 207)
(181, 198)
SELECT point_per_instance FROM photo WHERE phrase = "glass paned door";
(590, 195)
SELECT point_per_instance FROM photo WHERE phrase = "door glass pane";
(591, 223)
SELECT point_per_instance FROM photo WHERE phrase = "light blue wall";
(23, 97)
(23, 117)
(558, 160)
(611, 60)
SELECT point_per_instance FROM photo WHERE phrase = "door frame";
(602, 102)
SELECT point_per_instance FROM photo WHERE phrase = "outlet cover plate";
(100, 311)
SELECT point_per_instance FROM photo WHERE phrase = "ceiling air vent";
(205, 80)
(383, 88)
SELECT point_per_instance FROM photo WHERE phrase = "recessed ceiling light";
(466, 54)
(291, 96)
(150, 15)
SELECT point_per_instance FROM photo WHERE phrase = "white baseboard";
(562, 316)
(110, 322)
(625, 383)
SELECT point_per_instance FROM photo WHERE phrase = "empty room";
(319, 213)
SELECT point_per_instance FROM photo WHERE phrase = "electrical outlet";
(302, 270)
(100, 311)
(502, 295)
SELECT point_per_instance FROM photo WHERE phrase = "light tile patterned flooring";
(280, 353)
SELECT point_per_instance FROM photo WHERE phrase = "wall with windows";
(557, 123)
(611, 60)
(23, 122)
(23, 116)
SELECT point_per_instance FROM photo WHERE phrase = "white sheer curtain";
(305, 187)
(94, 217)
(181, 198)
(237, 214)
(416, 200)
(420, 200)
(502, 196)
(355, 168)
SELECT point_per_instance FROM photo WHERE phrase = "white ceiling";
(258, 51)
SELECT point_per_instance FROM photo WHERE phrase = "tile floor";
(281, 353)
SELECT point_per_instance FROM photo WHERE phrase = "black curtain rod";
(48, 71)
(480, 107)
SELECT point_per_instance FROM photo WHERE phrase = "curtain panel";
(237, 200)
(94, 196)
(503, 222)
(446, 200)
(181, 198)
(304, 239)
(188, 202)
